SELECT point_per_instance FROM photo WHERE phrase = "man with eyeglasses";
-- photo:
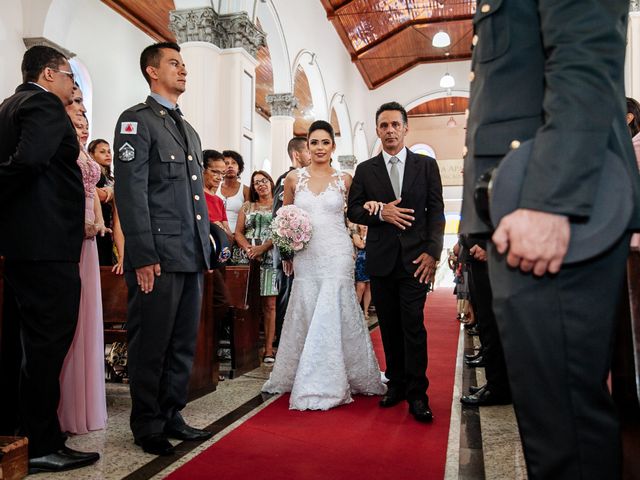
(41, 232)
(163, 213)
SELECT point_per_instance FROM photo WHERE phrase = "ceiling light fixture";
(441, 40)
(452, 123)
(447, 81)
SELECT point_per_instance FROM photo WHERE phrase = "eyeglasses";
(68, 74)
(216, 173)
(264, 181)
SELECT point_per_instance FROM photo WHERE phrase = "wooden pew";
(204, 374)
(243, 283)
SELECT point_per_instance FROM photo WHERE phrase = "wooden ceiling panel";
(304, 114)
(440, 106)
(264, 81)
(387, 37)
(152, 17)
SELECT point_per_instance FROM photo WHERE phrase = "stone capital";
(347, 162)
(234, 30)
(634, 6)
(282, 104)
(33, 41)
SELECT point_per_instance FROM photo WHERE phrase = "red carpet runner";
(359, 440)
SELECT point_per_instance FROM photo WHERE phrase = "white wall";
(262, 139)
(109, 47)
(11, 47)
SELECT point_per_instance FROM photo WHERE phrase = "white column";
(282, 106)
(632, 66)
(220, 50)
(203, 96)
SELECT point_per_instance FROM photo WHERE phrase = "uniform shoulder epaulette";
(138, 107)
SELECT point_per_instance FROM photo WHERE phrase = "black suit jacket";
(421, 191)
(552, 71)
(41, 191)
(159, 192)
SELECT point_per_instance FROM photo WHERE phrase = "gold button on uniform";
(464, 151)
(198, 217)
(472, 75)
(197, 197)
(173, 157)
(190, 157)
(194, 177)
(485, 8)
(515, 144)
(474, 40)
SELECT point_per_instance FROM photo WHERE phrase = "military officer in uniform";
(164, 218)
(552, 71)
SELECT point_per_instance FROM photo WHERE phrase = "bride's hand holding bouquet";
(290, 232)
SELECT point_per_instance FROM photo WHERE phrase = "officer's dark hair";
(633, 107)
(209, 156)
(296, 144)
(392, 106)
(150, 57)
(253, 193)
(37, 58)
(237, 157)
(322, 125)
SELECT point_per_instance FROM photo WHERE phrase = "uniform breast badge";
(126, 153)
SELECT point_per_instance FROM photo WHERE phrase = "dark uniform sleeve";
(585, 47)
(131, 153)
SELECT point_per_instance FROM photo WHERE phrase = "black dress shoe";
(185, 432)
(475, 389)
(420, 410)
(473, 356)
(63, 459)
(156, 444)
(478, 362)
(473, 331)
(391, 398)
(485, 398)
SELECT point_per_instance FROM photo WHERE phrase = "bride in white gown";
(325, 354)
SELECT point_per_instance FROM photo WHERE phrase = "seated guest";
(232, 192)
(253, 237)
(83, 406)
(101, 154)
(214, 171)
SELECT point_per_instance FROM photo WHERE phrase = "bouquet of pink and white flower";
(290, 230)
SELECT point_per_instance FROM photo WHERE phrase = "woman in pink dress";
(83, 404)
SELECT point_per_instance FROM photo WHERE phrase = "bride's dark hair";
(322, 125)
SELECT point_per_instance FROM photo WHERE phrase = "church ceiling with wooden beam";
(385, 38)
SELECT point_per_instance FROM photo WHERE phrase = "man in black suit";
(299, 155)
(164, 218)
(552, 71)
(42, 228)
(403, 245)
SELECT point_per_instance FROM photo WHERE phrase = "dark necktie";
(176, 114)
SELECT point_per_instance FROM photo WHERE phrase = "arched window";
(423, 149)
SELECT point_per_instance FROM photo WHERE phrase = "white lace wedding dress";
(325, 353)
